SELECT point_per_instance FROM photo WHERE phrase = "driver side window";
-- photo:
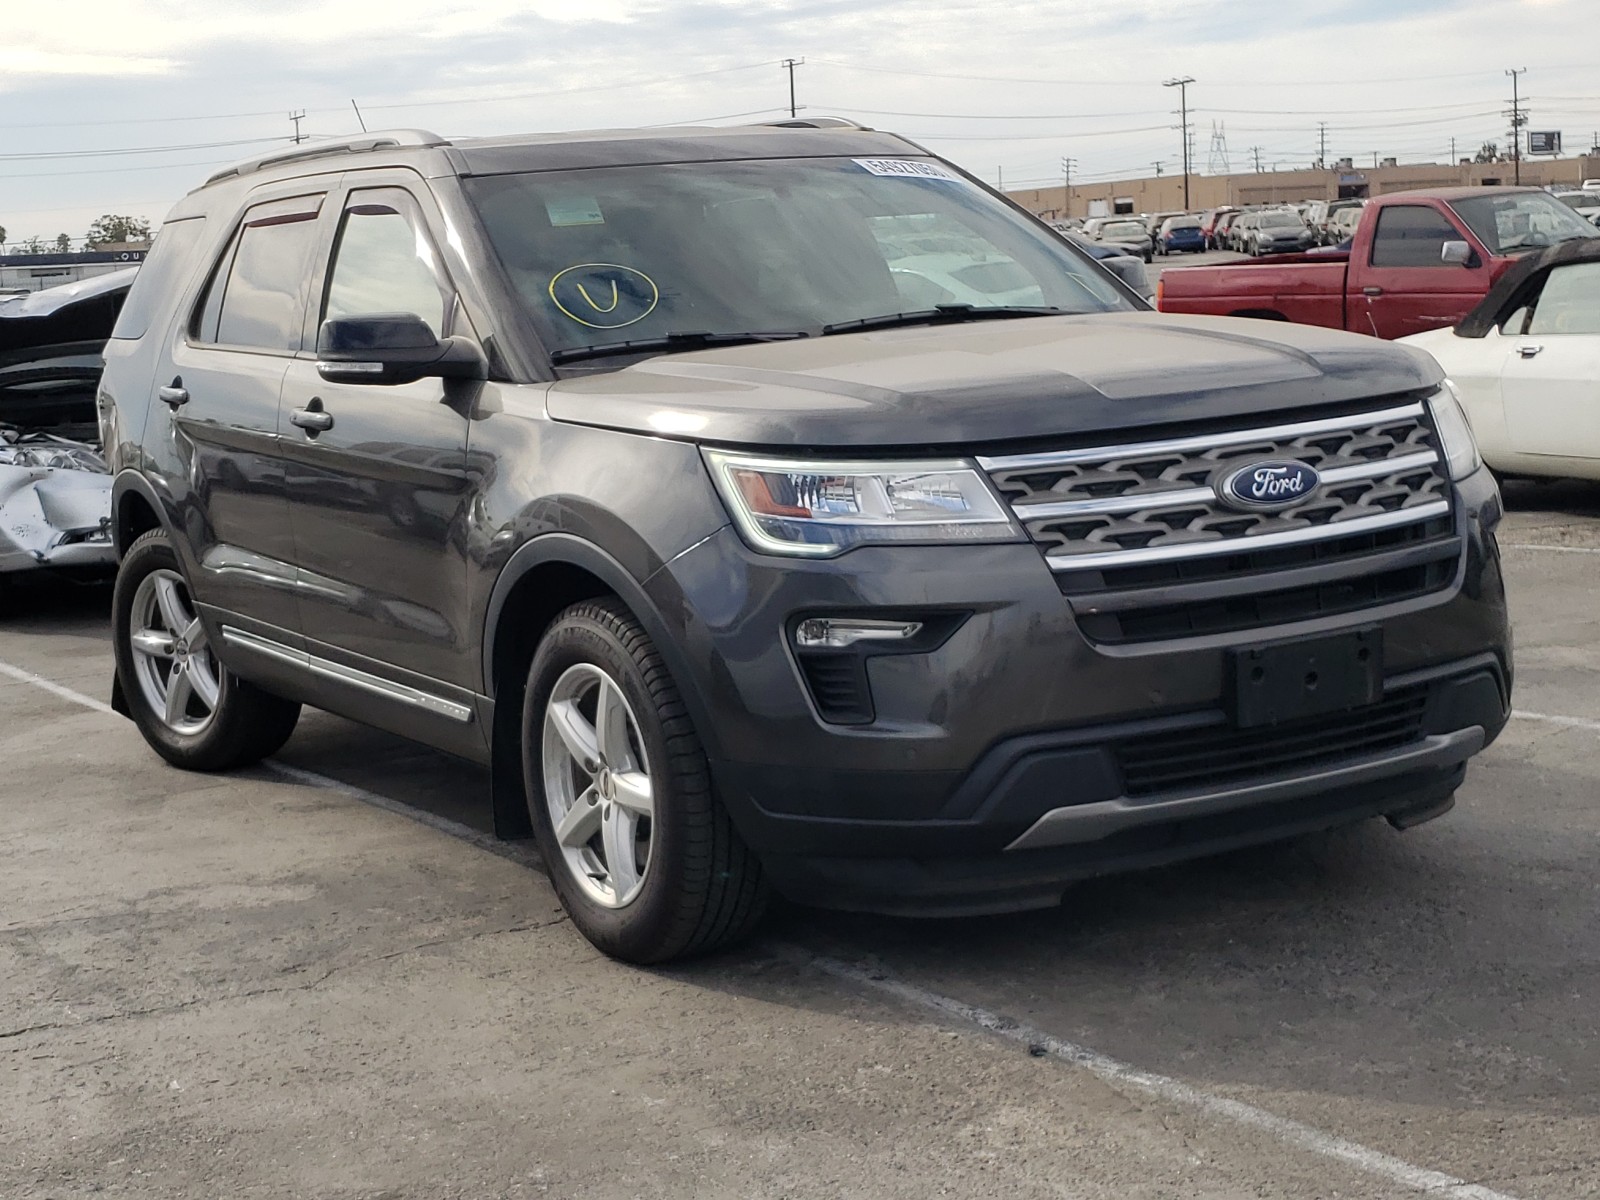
(383, 262)
(1569, 302)
(1411, 235)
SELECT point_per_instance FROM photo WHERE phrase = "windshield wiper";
(943, 314)
(685, 340)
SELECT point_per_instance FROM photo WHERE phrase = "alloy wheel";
(597, 785)
(180, 679)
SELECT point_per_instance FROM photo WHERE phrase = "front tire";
(643, 855)
(192, 710)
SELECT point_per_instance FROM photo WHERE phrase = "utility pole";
(789, 64)
(1157, 166)
(1255, 152)
(1517, 122)
(1453, 160)
(1066, 185)
(1375, 160)
(297, 117)
(1322, 144)
(1183, 94)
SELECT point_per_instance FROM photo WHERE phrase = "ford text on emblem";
(1265, 486)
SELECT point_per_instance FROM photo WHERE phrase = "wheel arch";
(545, 576)
(135, 510)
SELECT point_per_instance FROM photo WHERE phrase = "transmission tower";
(1217, 160)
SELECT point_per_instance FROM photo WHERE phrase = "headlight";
(1460, 448)
(819, 509)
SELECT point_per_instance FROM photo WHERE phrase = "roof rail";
(815, 123)
(362, 144)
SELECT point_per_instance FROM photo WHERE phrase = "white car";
(1526, 363)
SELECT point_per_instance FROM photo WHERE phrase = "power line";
(46, 155)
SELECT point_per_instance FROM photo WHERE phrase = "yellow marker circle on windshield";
(604, 295)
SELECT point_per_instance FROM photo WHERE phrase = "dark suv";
(777, 507)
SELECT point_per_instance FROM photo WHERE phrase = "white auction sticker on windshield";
(908, 168)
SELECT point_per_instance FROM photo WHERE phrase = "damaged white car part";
(55, 489)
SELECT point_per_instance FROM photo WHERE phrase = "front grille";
(1142, 527)
(1215, 756)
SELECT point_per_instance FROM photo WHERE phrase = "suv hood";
(991, 382)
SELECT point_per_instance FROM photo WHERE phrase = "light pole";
(1183, 103)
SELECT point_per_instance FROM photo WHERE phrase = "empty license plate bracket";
(1307, 677)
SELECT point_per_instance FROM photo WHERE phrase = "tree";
(1490, 152)
(2, 235)
(111, 228)
(33, 245)
(63, 243)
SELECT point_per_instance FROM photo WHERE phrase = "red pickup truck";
(1418, 261)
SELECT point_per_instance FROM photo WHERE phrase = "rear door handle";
(1372, 291)
(175, 395)
(312, 419)
(1529, 351)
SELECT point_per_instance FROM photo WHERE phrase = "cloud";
(1012, 85)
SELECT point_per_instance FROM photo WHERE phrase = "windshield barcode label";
(907, 168)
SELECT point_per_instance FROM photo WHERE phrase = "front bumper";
(994, 769)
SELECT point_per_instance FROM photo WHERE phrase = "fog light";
(837, 633)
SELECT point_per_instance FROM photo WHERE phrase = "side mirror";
(393, 348)
(1456, 254)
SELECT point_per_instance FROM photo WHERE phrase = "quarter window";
(257, 296)
(384, 263)
(1411, 235)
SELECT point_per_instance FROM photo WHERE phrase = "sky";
(121, 106)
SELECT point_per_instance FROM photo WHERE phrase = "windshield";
(1521, 221)
(774, 246)
(1184, 223)
(1124, 229)
(1281, 221)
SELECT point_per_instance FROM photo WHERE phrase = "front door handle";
(311, 418)
(1372, 291)
(1529, 351)
(174, 395)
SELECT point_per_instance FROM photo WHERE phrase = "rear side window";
(1411, 235)
(257, 296)
(159, 276)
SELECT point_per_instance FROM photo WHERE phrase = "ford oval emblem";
(1268, 486)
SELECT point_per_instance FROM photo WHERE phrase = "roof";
(803, 138)
(1458, 193)
(1486, 315)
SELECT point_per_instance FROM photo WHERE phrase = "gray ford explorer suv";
(779, 509)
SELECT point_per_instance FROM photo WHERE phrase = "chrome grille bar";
(1211, 441)
(1183, 497)
(1246, 545)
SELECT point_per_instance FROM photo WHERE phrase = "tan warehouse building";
(1165, 193)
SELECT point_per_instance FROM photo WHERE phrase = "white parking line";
(54, 688)
(1371, 1162)
(1568, 722)
(1552, 549)
(1121, 1074)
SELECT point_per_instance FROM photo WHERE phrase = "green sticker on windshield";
(574, 210)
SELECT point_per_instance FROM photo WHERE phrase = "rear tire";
(647, 863)
(194, 712)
